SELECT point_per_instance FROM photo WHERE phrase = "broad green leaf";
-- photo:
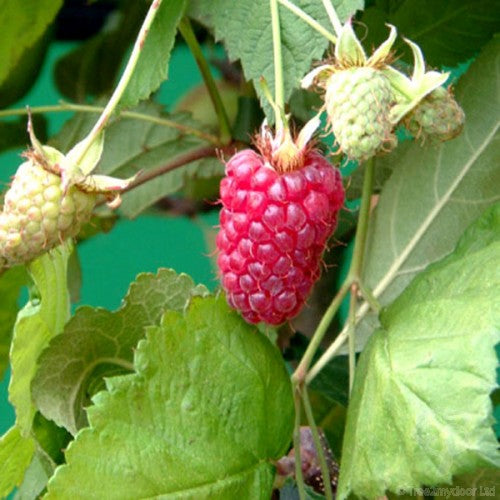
(152, 67)
(448, 32)
(427, 376)
(434, 193)
(15, 457)
(22, 25)
(92, 67)
(41, 319)
(11, 283)
(253, 44)
(134, 145)
(98, 343)
(208, 411)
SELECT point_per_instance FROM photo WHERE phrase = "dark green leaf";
(22, 25)
(98, 343)
(206, 413)
(152, 67)
(420, 410)
(92, 67)
(13, 134)
(253, 45)
(448, 32)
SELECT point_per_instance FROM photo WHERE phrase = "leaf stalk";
(189, 37)
(124, 81)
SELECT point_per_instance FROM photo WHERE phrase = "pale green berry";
(37, 216)
(438, 117)
(357, 102)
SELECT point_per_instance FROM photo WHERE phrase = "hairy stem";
(362, 229)
(82, 108)
(279, 84)
(180, 161)
(188, 34)
(309, 20)
(325, 471)
(354, 274)
(299, 477)
(124, 80)
(332, 14)
(301, 371)
(351, 325)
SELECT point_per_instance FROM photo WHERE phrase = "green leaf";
(42, 318)
(98, 343)
(436, 192)
(92, 67)
(434, 362)
(36, 477)
(15, 457)
(447, 32)
(134, 145)
(207, 412)
(11, 283)
(152, 66)
(253, 45)
(22, 25)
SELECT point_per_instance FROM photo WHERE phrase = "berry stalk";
(332, 14)
(189, 37)
(279, 85)
(353, 277)
(309, 20)
(122, 84)
(85, 108)
(325, 472)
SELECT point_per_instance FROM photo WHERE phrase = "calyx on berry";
(410, 91)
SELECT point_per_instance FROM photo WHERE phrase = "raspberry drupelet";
(273, 230)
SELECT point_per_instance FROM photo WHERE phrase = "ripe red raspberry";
(274, 227)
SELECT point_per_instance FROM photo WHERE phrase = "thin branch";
(309, 20)
(124, 81)
(325, 471)
(188, 34)
(196, 154)
(82, 108)
(332, 14)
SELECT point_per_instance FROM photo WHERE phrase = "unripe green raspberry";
(438, 117)
(36, 215)
(358, 101)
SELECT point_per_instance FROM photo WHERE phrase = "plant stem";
(362, 229)
(325, 471)
(370, 298)
(334, 18)
(82, 108)
(301, 371)
(299, 477)
(188, 34)
(196, 154)
(309, 20)
(351, 325)
(353, 277)
(279, 84)
(124, 80)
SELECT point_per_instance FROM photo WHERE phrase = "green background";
(111, 261)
